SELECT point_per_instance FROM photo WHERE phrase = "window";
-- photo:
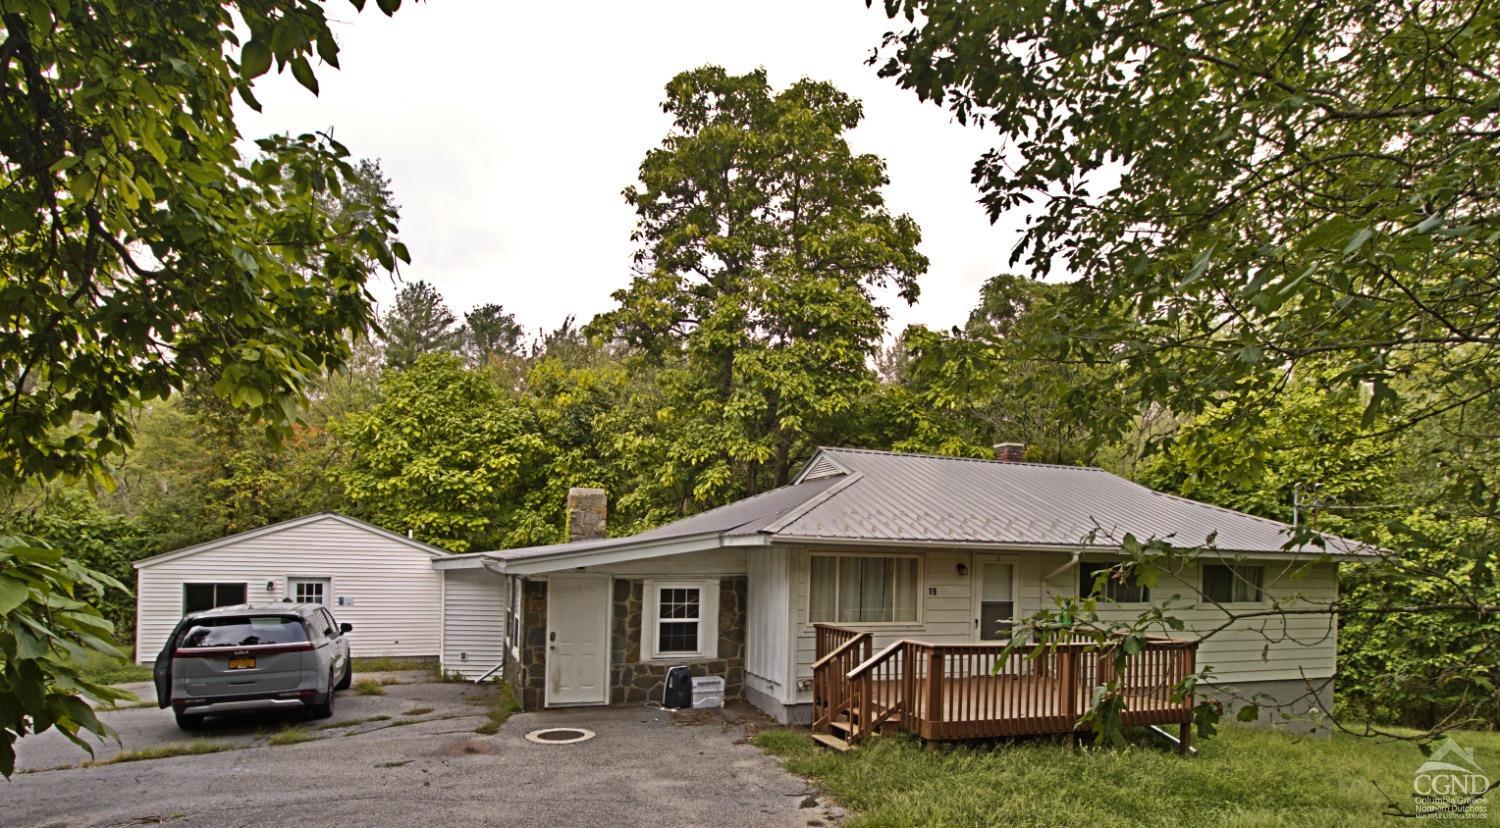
(863, 589)
(1121, 592)
(681, 620)
(232, 631)
(330, 627)
(199, 597)
(678, 612)
(308, 590)
(1225, 584)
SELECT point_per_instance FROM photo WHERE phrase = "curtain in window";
(824, 589)
(865, 589)
(862, 589)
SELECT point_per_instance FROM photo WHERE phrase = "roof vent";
(1010, 452)
(822, 467)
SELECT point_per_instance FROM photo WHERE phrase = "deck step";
(831, 741)
(841, 725)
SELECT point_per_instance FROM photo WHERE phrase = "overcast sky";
(508, 131)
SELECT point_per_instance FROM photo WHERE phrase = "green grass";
(290, 736)
(114, 670)
(367, 687)
(351, 722)
(499, 707)
(389, 664)
(1244, 777)
(192, 748)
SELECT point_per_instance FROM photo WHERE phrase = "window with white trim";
(863, 589)
(197, 597)
(681, 620)
(1232, 584)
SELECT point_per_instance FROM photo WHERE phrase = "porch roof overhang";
(908, 544)
(563, 557)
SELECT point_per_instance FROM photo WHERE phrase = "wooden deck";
(981, 691)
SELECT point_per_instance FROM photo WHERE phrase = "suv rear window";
(244, 631)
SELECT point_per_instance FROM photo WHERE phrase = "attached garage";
(381, 582)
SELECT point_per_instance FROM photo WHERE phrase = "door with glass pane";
(994, 598)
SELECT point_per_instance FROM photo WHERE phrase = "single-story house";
(894, 547)
(382, 583)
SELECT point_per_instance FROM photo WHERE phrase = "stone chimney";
(1009, 452)
(587, 510)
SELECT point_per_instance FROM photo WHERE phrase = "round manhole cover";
(560, 735)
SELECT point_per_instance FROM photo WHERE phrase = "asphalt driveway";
(413, 757)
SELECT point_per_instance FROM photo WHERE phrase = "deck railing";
(973, 691)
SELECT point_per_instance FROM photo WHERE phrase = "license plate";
(246, 663)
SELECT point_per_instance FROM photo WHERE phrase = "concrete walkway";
(645, 767)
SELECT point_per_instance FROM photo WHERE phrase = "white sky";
(508, 131)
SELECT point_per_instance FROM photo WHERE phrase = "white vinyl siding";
(391, 592)
(947, 611)
(474, 603)
(945, 605)
(767, 634)
(1292, 646)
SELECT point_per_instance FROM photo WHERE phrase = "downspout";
(1072, 562)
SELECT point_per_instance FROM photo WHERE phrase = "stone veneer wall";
(528, 674)
(633, 680)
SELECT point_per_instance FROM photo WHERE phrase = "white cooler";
(708, 692)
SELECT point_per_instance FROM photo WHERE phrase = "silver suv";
(231, 659)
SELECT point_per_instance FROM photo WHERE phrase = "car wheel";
(324, 708)
(186, 721)
(348, 678)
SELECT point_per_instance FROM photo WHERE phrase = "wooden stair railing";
(981, 690)
(839, 650)
(878, 690)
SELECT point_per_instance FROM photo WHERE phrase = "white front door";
(578, 639)
(994, 597)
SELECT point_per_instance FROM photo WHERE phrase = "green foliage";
(1249, 776)
(48, 629)
(1310, 181)
(143, 252)
(140, 247)
(71, 520)
(419, 323)
(1429, 668)
(490, 332)
(762, 239)
(445, 454)
(1010, 375)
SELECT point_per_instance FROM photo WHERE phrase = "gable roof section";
(430, 551)
(878, 497)
(934, 499)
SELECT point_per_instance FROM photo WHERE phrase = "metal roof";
(742, 517)
(928, 498)
(861, 495)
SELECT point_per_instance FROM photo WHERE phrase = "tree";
(762, 238)
(446, 454)
(419, 323)
(141, 249)
(490, 332)
(1263, 183)
(1010, 375)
